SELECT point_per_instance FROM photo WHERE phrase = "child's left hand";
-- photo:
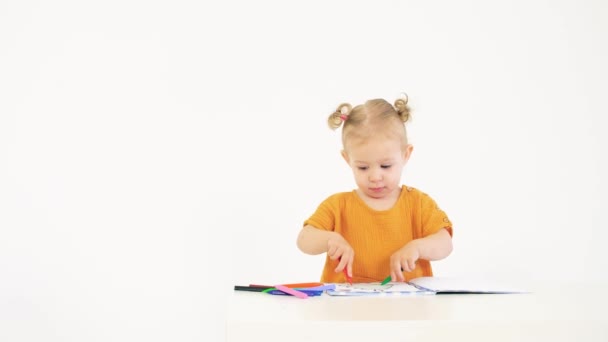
(404, 260)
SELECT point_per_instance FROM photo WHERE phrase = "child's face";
(377, 165)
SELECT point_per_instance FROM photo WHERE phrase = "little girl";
(381, 228)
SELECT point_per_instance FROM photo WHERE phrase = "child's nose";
(375, 176)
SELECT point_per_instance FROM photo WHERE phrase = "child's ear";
(345, 156)
(407, 152)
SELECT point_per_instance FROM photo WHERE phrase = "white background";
(155, 153)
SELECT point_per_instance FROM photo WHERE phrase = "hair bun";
(402, 108)
(336, 118)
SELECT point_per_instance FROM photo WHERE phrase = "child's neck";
(380, 204)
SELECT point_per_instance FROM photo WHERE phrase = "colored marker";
(291, 291)
(385, 281)
(250, 288)
(349, 279)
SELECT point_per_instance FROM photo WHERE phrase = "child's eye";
(362, 168)
(385, 166)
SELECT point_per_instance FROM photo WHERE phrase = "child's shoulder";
(340, 196)
(339, 199)
(410, 190)
(413, 192)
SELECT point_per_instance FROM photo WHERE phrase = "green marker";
(385, 281)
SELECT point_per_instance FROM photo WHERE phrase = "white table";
(574, 312)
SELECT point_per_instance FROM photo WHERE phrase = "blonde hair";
(374, 117)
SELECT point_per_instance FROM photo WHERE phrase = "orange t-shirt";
(375, 235)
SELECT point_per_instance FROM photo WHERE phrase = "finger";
(396, 271)
(331, 251)
(405, 266)
(399, 274)
(391, 267)
(337, 253)
(348, 257)
(412, 264)
(341, 264)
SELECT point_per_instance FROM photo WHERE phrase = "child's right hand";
(339, 249)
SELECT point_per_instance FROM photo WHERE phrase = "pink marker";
(292, 292)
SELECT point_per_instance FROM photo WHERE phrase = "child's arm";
(314, 241)
(433, 247)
